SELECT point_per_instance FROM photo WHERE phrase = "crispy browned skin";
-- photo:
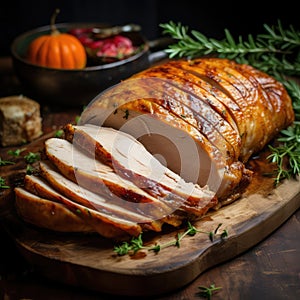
(105, 224)
(265, 104)
(48, 214)
(229, 110)
(197, 103)
(203, 119)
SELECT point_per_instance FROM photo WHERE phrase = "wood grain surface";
(268, 270)
(90, 262)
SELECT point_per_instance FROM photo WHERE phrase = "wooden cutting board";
(90, 262)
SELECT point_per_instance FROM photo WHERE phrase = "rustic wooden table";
(269, 270)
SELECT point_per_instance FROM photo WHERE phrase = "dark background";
(208, 17)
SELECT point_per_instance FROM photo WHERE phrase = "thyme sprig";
(3, 184)
(32, 157)
(5, 162)
(207, 292)
(276, 52)
(16, 152)
(137, 243)
(59, 133)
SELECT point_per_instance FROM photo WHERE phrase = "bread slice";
(20, 120)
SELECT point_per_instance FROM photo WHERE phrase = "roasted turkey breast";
(166, 145)
(203, 118)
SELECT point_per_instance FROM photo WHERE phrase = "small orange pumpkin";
(57, 50)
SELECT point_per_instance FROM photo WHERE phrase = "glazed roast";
(166, 145)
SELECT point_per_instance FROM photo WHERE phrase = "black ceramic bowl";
(73, 87)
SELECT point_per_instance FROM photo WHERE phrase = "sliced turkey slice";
(99, 178)
(110, 205)
(130, 159)
(48, 214)
(105, 224)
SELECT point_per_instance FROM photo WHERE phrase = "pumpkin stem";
(52, 21)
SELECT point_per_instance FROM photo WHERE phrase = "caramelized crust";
(166, 145)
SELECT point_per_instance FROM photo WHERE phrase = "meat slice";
(47, 214)
(100, 178)
(106, 225)
(110, 205)
(131, 160)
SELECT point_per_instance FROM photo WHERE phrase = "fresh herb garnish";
(207, 292)
(31, 157)
(273, 50)
(77, 119)
(3, 183)
(16, 152)
(137, 244)
(132, 247)
(276, 52)
(30, 170)
(5, 162)
(58, 133)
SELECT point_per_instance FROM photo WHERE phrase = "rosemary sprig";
(273, 50)
(197, 44)
(276, 52)
(137, 244)
(289, 150)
